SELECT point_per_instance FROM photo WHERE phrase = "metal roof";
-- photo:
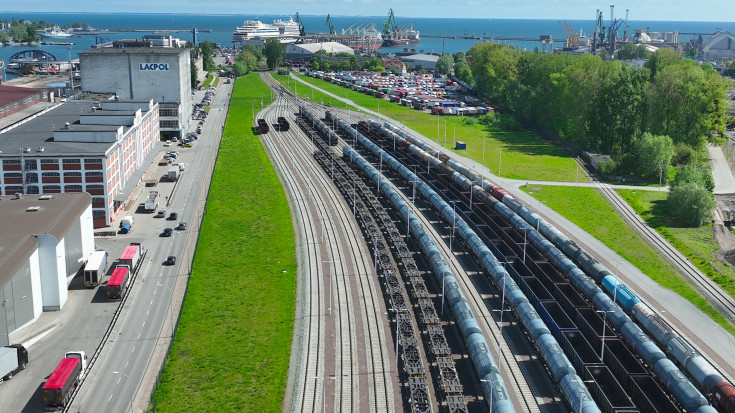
(10, 94)
(135, 50)
(20, 223)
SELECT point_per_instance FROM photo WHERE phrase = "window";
(50, 174)
(46, 161)
(33, 189)
(72, 161)
(13, 175)
(51, 188)
(72, 174)
(11, 161)
(93, 161)
(31, 164)
(98, 214)
(95, 187)
(98, 199)
(170, 124)
(168, 112)
(73, 188)
(10, 190)
(94, 173)
(31, 178)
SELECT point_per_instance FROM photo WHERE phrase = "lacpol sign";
(154, 66)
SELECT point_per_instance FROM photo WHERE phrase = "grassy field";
(591, 212)
(518, 155)
(232, 347)
(697, 244)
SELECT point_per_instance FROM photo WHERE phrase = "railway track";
(343, 351)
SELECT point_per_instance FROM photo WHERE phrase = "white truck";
(151, 204)
(96, 268)
(174, 172)
(12, 360)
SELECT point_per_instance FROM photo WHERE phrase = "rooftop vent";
(39, 149)
(27, 149)
(18, 195)
(45, 197)
(33, 208)
(66, 125)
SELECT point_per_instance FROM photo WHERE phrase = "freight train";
(560, 368)
(550, 241)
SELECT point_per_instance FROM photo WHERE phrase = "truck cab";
(82, 356)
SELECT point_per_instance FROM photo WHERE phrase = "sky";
(641, 10)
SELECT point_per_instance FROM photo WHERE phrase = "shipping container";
(118, 283)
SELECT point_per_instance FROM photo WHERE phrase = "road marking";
(133, 351)
(154, 293)
(128, 362)
(108, 400)
(147, 312)
(143, 324)
(151, 302)
(138, 338)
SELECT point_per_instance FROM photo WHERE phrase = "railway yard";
(424, 287)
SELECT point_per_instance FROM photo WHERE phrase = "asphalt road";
(721, 173)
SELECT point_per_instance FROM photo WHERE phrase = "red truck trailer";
(118, 283)
(131, 256)
(61, 383)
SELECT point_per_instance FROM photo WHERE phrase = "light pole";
(445, 133)
(396, 310)
(130, 387)
(484, 139)
(437, 126)
(331, 265)
(500, 160)
(170, 307)
(604, 322)
(408, 222)
(413, 194)
(492, 385)
(324, 390)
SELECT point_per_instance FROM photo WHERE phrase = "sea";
(462, 33)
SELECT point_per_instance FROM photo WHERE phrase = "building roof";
(55, 215)
(10, 94)
(135, 50)
(39, 132)
(422, 56)
(329, 47)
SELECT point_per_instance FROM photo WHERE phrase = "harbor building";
(98, 147)
(159, 73)
(44, 242)
(15, 99)
(421, 61)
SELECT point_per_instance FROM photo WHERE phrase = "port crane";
(302, 29)
(572, 36)
(388, 25)
(330, 25)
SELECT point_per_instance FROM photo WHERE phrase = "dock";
(490, 38)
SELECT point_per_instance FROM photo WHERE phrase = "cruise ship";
(255, 31)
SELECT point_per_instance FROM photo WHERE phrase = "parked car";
(187, 145)
(167, 143)
(181, 226)
(173, 217)
(167, 232)
(161, 214)
(170, 260)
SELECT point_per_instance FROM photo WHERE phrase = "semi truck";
(13, 359)
(174, 172)
(118, 283)
(151, 204)
(63, 380)
(131, 256)
(96, 268)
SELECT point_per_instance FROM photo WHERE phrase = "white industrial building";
(294, 51)
(421, 61)
(44, 241)
(159, 73)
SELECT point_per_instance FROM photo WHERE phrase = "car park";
(167, 232)
(173, 216)
(170, 260)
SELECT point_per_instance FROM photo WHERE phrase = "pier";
(490, 38)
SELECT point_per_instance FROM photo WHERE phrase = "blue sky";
(662, 10)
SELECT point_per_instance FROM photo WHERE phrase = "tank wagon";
(560, 367)
(571, 260)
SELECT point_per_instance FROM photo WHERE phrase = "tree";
(240, 69)
(690, 204)
(207, 49)
(694, 174)
(250, 61)
(194, 74)
(274, 51)
(651, 154)
(254, 50)
(444, 64)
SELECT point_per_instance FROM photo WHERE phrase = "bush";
(690, 204)
(470, 121)
(683, 154)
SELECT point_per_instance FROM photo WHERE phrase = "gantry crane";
(388, 25)
(302, 29)
(330, 25)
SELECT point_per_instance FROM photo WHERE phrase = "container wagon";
(61, 383)
(118, 283)
(95, 268)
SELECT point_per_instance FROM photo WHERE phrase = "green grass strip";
(232, 348)
(518, 154)
(588, 209)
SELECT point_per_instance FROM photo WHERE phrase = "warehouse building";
(421, 61)
(43, 243)
(98, 147)
(15, 99)
(159, 73)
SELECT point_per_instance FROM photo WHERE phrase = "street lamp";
(492, 385)
(500, 160)
(397, 310)
(413, 195)
(130, 387)
(170, 307)
(484, 139)
(604, 321)
(324, 391)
